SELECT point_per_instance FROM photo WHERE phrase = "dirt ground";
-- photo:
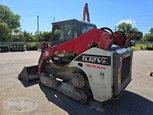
(21, 98)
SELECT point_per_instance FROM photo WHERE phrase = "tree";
(8, 18)
(38, 36)
(4, 32)
(46, 35)
(28, 37)
(137, 37)
(149, 37)
(151, 31)
(9, 22)
(17, 30)
(56, 34)
(43, 36)
(124, 27)
(128, 29)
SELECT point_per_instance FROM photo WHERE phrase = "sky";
(103, 13)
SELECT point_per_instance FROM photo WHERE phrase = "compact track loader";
(84, 62)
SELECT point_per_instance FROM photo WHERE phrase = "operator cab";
(63, 31)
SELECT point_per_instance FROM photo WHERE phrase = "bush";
(31, 46)
(141, 47)
(149, 48)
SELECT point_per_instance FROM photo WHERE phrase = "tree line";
(10, 29)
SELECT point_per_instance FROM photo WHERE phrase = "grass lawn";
(141, 47)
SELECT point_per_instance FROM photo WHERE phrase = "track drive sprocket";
(78, 80)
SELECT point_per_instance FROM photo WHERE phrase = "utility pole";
(54, 19)
(38, 24)
(38, 28)
(115, 28)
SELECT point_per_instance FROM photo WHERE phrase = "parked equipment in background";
(11, 47)
(4, 48)
(16, 47)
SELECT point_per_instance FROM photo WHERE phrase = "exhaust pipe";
(29, 73)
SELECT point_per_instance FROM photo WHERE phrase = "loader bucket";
(29, 73)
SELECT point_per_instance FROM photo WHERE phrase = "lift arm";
(102, 38)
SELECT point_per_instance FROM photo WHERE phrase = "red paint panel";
(78, 45)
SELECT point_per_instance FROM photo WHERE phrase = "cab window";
(65, 31)
(86, 28)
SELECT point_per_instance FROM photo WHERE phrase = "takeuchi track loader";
(84, 62)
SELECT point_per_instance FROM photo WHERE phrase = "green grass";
(141, 47)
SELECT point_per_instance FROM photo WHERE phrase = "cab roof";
(74, 20)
